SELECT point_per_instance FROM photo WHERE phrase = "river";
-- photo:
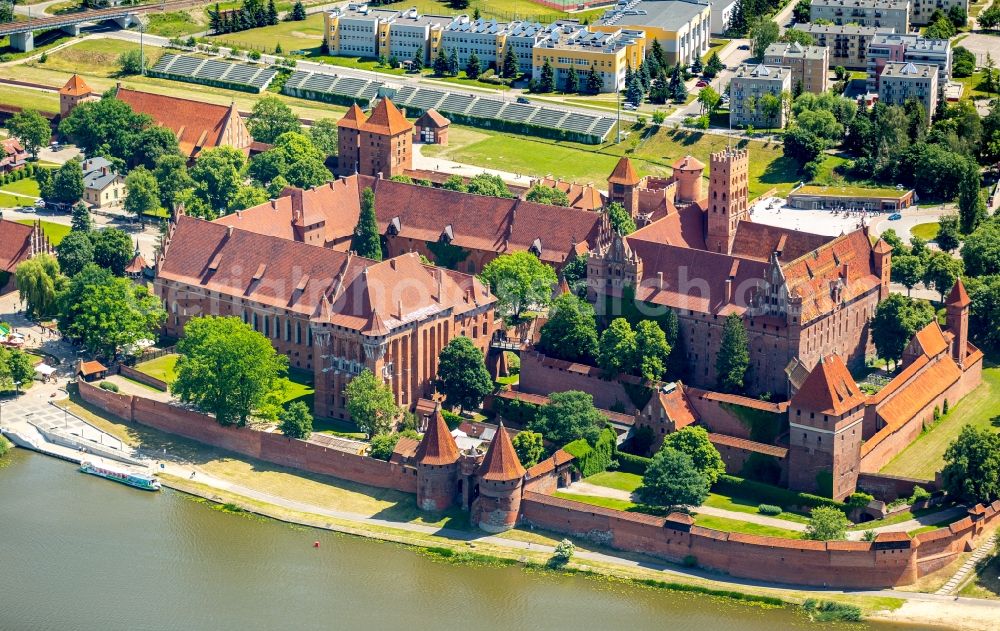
(83, 553)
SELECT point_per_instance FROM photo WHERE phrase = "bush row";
(732, 485)
(20, 174)
(591, 460)
(631, 463)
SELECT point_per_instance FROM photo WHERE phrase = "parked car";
(895, 217)
(702, 84)
(744, 47)
(523, 100)
(629, 105)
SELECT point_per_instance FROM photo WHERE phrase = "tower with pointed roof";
(727, 198)
(623, 186)
(72, 94)
(349, 140)
(386, 142)
(437, 465)
(883, 266)
(688, 172)
(825, 431)
(498, 503)
(957, 308)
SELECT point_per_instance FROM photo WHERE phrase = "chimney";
(845, 272)
(296, 195)
(229, 231)
(440, 284)
(729, 291)
(659, 280)
(399, 308)
(378, 176)
(239, 214)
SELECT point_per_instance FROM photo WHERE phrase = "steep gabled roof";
(354, 118)
(759, 241)
(433, 118)
(829, 388)
(438, 446)
(15, 244)
(76, 86)
(501, 463)
(931, 340)
(387, 119)
(958, 297)
(624, 173)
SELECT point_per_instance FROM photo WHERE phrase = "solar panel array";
(340, 88)
(249, 77)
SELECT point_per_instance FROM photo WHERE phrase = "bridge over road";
(22, 34)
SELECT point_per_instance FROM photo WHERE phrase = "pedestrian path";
(968, 567)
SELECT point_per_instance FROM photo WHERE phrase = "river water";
(82, 553)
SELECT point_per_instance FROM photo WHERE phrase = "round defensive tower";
(500, 477)
(688, 172)
(437, 466)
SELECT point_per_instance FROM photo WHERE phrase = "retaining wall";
(889, 487)
(141, 377)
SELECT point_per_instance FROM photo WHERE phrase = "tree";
(453, 63)
(709, 100)
(827, 523)
(270, 118)
(990, 18)
(462, 374)
(81, 220)
(509, 67)
(440, 65)
(38, 279)
(65, 185)
(941, 272)
(948, 233)
(32, 129)
(714, 65)
(984, 312)
(694, 442)
(519, 281)
(733, 360)
(802, 145)
(594, 81)
(617, 348)
(963, 62)
(568, 416)
(896, 320)
(455, 183)
(417, 61)
(972, 466)
(981, 250)
(563, 553)
(770, 107)
(971, 208)
(218, 176)
(907, 270)
(763, 34)
(143, 194)
(113, 250)
(488, 185)
(298, 12)
(571, 330)
(106, 313)
(293, 157)
(548, 81)
(572, 80)
(106, 127)
(75, 252)
(324, 136)
(20, 367)
(132, 62)
(172, 178)
(547, 195)
(958, 16)
(620, 219)
(652, 351)
(371, 403)
(529, 447)
(152, 144)
(472, 68)
(272, 13)
(366, 241)
(296, 420)
(672, 479)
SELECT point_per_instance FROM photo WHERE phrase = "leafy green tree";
(172, 178)
(143, 194)
(963, 62)
(153, 143)
(440, 62)
(984, 312)
(75, 252)
(455, 183)
(520, 281)
(462, 374)
(672, 479)
(21, 368)
(113, 250)
(827, 523)
(652, 350)
(472, 68)
(31, 128)
(694, 442)
(594, 81)
(371, 403)
(382, 445)
(572, 80)
(293, 157)
(713, 66)
(547, 195)
(366, 241)
(571, 330)
(65, 185)
(709, 100)
(802, 145)
(132, 62)
(941, 272)
(488, 185)
(106, 127)
(733, 360)
(548, 81)
(324, 135)
(971, 207)
(81, 220)
(218, 176)
(568, 416)
(907, 270)
(620, 219)
(38, 279)
(763, 34)
(981, 250)
(529, 447)
(896, 320)
(948, 235)
(617, 347)
(270, 118)
(296, 420)
(226, 368)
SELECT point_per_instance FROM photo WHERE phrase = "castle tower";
(437, 466)
(386, 142)
(623, 186)
(825, 428)
(957, 308)
(500, 475)
(727, 198)
(882, 252)
(72, 94)
(349, 140)
(688, 172)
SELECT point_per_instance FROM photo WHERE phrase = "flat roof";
(849, 191)
(901, 5)
(846, 29)
(795, 49)
(669, 15)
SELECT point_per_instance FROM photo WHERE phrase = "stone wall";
(141, 377)
(738, 416)
(888, 487)
(542, 375)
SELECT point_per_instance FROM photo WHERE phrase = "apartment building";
(610, 54)
(848, 44)
(749, 87)
(894, 14)
(810, 65)
(722, 15)
(465, 36)
(901, 82)
(357, 30)
(412, 34)
(683, 27)
(922, 10)
(907, 48)
(522, 37)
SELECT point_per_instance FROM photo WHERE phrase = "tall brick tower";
(957, 307)
(688, 172)
(500, 476)
(75, 91)
(386, 142)
(623, 186)
(349, 140)
(727, 198)
(825, 418)
(882, 252)
(437, 466)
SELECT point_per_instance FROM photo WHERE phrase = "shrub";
(858, 500)
(944, 407)
(733, 485)
(451, 419)
(919, 494)
(937, 413)
(829, 611)
(591, 460)
(769, 509)
(869, 536)
(631, 463)
(4, 446)
(382, 446)
(110, 387)
(690, 561)
(563, 553)
(254, 55)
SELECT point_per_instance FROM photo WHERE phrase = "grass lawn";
(174, 24)
(714, 45)
(29, 99)
(606, 502)
(162, 368)
(974, 88)
(926, 231)
(358, 63)
(43, 41)
(898, 518)
(980, 408)
(986, 583)
(651, 153)
(337, 427)
(54, 231)
(94, 57)
(27, 186)
(854, 190)
(616, 480)
(304, 35)
(302, 387)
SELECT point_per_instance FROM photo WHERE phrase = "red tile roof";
(919, 392)
(829, 388)
(688, 163)
(438, 446)
(501, 463)
(684, 226)
(354, 118)
(404, 450)
(624, 173)
(76, 86)
(957, 297)
(931, 340)
(197, 125)
(432, 118)
(387, 119)
(91, 368)
(748, 445)
(759, 241)
(735, 399)
(882, 247)
(15, 244)
(136, 265)
(584, 197)
(677, 407)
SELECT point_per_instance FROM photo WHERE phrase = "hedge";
(596, 459)
(515, 410)
(732, 485)
(631, 463)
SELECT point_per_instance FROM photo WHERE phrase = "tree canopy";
(31, 128)
(293, 157)
(571, 330)
(39, 280)
(694, 442)
(568, 416)
(296, 420)
(827, 523)
(271, 117)
(529, 447)
(371, 403)
(366, 241)
(547, 195)
(972, 466)
(672, 479)
(462, 374)
(520, 281)
(733, 360)
(896, 320)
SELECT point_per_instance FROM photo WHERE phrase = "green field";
(981, 409)
(93, 57)
(174, 24)
(161, 368)
(304, 35)
(651, 153)
(27, 98)
(974, 88)
(926, 231)
(850, 191)
(11, 194)
(54, 231)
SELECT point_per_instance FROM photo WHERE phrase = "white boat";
(143, 481)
